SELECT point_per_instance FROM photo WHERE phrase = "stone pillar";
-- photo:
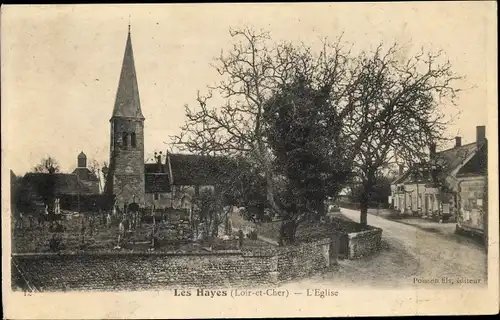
(274, 272)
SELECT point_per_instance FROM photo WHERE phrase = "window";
(125, 139)
(156, 196)
(133, 142)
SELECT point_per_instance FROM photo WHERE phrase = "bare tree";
(96, 168)
(397, 114)
(378, 106)
(46, 165)
(254, 71)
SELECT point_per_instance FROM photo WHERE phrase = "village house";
(435, 189)
(472, 192)
(36, 188)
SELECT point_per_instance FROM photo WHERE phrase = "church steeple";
(125, 178)
(127, 103)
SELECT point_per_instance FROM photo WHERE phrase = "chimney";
(480, 135)
(158, 161)
(458, 142)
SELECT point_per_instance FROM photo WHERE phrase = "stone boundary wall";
(364, 243)
(108, 271)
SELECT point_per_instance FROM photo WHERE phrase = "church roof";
(192, 169)
(127, 103)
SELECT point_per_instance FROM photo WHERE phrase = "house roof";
(155, 168)
(127, 103)
(85, 174)
(191, 169)
(477, 165)
(64, 183)
(401, 177)
(449, 160)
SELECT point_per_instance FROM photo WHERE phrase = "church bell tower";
(126, 170)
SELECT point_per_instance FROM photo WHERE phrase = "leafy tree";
(306, 140)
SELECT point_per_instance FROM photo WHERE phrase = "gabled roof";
(401, 177)
(453, 158)
(85, 174)
(449, 160)
(191, 169)
(127, 103)
(63, 183)
(478, 164)
(155, 168)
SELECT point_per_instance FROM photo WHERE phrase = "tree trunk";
(363, 219)
(365, 196)
(288, 229)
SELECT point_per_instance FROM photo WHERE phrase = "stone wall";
(364, 243)
(127, 161)
(471, 197)
(303, 260)
(149, 271)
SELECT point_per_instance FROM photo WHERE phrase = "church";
(173, 179)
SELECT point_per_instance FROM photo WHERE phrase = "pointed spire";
(127, 103)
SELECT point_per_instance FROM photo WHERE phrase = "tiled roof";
(155, 168)
(85, 174)
(478, 164)
(64, 183)
(191, 169)
(449, 160)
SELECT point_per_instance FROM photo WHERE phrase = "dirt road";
(410, 256)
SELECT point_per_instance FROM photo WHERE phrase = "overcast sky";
(60, 65)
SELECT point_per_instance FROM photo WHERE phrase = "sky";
(61, 64)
